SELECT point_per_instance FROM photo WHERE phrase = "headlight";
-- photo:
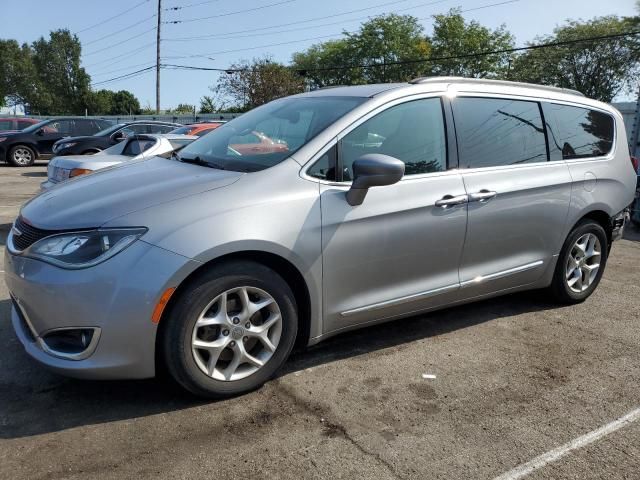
(62, 146)
(75, 250)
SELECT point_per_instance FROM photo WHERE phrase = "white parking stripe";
(557, 453)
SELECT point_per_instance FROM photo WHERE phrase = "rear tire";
(230, 330)
(581, 263)
(22, 156)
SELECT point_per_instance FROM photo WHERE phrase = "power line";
(109, 35)
(120, 57)
(386, 4)
(191, 5)
(102, 22)
(128, 67)
(431, 59)
(126, 75)
(232, 13)
(119, 43)
(341, 22)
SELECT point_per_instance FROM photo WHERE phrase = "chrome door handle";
(482, 196)
(450, 200)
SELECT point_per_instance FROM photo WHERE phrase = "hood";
(92, 162)
(76, 139)
(10, 133)
(92, 200)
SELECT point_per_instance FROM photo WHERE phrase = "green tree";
(600, 69)
(453, 37)
(380, 44)
(100, 102)
(18, 78)
(251, 84)
(125, 103)
(183, 109)
(64, 83)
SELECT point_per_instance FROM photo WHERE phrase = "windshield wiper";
(199, 161)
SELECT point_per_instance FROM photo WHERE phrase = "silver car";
(370, 203)
(135, 147)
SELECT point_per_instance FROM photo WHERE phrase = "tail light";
(634, 162)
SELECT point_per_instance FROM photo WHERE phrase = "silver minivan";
(356, 205)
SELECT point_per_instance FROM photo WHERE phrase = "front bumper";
(117, 297)
(618, 224)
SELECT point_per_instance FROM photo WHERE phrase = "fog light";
(71, 343)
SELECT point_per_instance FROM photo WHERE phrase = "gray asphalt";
(515, 377)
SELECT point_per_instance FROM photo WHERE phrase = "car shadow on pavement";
(34, 401)
(632, 232)
(34, 174)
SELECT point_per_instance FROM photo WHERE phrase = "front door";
(51, 133)
(398, 252)
(518, 200)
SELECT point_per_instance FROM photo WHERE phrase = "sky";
(118, 36)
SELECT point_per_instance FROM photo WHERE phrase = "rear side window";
(576, 132)
(494, 132)
(137, 145)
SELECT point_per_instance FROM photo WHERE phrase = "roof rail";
(505, 83)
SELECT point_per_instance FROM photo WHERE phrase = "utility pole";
(158, 58)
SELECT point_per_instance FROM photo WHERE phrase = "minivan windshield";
(269, 134)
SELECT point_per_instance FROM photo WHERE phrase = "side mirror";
(373, 170)
(40, 132)
(119, 136)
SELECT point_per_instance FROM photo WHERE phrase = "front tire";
(230, 330)
(22, 156)
(581, 263)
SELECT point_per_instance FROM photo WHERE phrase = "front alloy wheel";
(236, 333)
(229, 329)
(22, 156)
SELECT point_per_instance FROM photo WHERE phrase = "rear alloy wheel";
(581, 263)
(22, 156)
(229, 330)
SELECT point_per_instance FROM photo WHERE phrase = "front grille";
(28, 234)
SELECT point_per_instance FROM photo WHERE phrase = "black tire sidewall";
(560, 286)
(182, 317)
(14, 148)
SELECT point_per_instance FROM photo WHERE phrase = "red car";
(257, 143)
(14, 124)
(198, 129)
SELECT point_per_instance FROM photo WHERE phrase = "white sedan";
(133, 148)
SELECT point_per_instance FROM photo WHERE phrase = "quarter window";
(576, 132)
(494, 132)
(412, 132)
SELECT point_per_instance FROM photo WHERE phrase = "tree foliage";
(379, 44)
(600, 69)
(454, 37)
(250, 84)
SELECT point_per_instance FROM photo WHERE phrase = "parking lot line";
(582, 441)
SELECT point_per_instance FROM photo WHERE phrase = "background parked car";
(133, 148)
(22, 149)
(15, 124)
(198, 129)
(88, 145)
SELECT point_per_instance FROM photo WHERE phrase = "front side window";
(64, 127)
(412, 132)
(269, 134)
(576, 132)
(494, 132)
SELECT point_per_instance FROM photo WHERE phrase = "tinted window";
(136, 146)
(6, 124)
(412, 132)
(493, 132)
(324, 168)
(183, 130)
(160, 128)
(576, 132)
(84, 127)
(64, 127)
